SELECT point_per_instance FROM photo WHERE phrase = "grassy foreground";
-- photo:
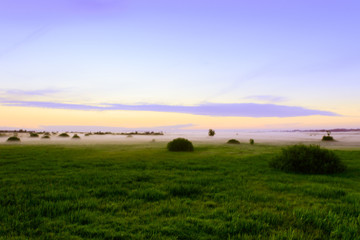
(145, 192)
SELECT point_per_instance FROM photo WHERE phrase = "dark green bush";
(76, 136)
(233, 141)
(327, 138)
(45, 137)
(180, 145)
(13, 139)
(211, 133)
(307, 159)
(251, 141)
(64, 135)
(34, 135)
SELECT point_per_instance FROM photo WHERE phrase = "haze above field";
(196, 64)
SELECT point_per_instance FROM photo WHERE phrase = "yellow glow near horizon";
(28, 117)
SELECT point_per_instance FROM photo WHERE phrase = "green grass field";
(142, 191)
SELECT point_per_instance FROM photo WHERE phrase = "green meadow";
(143, 191)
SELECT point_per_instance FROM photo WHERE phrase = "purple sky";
(247, 58)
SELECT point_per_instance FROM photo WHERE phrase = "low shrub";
(76, 137)
(129, 136)
(233, 141)
(45, 137)
(327, 138)
(180, 145)
(87, 134)
(64, 135)
(307, 159)
(251, 141)
(13, 139)
(34, 135)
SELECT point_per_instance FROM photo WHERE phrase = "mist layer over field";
(342, 139)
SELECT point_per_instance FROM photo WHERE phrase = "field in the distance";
(142, 191)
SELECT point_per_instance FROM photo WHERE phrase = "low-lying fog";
(343, 139)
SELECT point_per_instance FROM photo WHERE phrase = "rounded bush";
(34, 135)
(308, 159)
(45, 137)
(251, 141)
(13, 139)
(64, 135)
(233, 141)
(180, 145)
(327, 138)
(76, 137)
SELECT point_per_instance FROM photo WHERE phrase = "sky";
(197, 64)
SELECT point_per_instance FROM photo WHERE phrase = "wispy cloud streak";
(40, 92)
(266, 98)
(210, 109)
(36, 34)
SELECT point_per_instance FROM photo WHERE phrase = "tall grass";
(145, 192)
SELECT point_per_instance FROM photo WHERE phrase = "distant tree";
(211, 132)
(328, 137)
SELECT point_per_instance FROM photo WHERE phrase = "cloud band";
(209, 109)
